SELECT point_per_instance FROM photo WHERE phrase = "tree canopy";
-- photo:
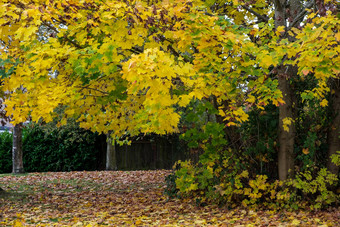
(127, 65)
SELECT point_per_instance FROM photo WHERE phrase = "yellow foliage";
(286, 123)
(127, 67)
(324, 103)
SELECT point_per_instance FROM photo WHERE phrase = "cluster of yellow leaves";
(151, 75)
(318, 51)
(286, 122)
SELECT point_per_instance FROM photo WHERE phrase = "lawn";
(126, 198)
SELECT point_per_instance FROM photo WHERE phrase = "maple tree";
(301, 39)
(126, 61)
(130, 67)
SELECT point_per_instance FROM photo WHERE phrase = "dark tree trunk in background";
(111, 158)
(334, 129)
(17, 152)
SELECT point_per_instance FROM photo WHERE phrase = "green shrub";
(48, 148)
(225, 182)
(5, 152)
(314, 188)
(60, 149)
(171, 191)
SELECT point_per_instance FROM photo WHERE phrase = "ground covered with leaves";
(126, 198)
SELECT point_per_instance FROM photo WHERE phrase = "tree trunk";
(285, 73)
(286, 138)
(334, 129)
(17, 152)
(111, 159)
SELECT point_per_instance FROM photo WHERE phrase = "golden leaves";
(152, 75)
(337, 36)
(143, 62)
(265, 59)
(286, 122)
(324, 103)
(71, 199)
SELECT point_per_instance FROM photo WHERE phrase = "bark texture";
(17, 153)
(334, 129)
(286, 11)
(111, 158)
(286, 138)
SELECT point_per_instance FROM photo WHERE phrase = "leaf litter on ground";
(126, 198)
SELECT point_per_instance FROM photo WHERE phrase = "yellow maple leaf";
(184, 100)
(138, 222)
(295, 222)
(337, 36)
(279, 30)
(251, 99)
(231, 124)
(324, 103)
(305, 150)
(267, 61)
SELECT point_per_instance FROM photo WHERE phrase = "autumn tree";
(131, 67)
(122, 66)
(296, 24)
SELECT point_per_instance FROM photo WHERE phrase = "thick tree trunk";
(334, 129)
(285, 73)
(286, 138)
(17, 152)
(111, 159)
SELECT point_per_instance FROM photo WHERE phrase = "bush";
(223, 181)
(67, 148)
(48, 148)
(5, 152)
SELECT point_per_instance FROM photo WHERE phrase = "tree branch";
(64, 37)
(300, 16)
(136, 50)
(94, 89)
(264, 18)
